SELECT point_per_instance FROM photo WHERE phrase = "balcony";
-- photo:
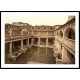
(14, 37)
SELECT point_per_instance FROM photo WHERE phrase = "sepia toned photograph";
(38, 38)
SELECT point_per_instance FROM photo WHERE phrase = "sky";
(36, 18)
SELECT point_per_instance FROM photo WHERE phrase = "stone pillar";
(28, 42)
(22, 32)
(63, 54)
(10, 49)
(65, 58)
(46, 42)
(10, 31)
(38, 41)
(21, 44)
(31, 41)
(28, 32)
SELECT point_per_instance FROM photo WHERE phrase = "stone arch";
(70, 34)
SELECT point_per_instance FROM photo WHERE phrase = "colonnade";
(39, 40)
(27, 44)
(21, 46)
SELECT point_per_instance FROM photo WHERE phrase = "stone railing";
(59, 38)
(70, 44)
(8, 37)
(50, 34)
(67, 42)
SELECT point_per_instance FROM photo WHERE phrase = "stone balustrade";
(67, 42)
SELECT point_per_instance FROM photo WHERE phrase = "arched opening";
(61, 33)
(70, 34)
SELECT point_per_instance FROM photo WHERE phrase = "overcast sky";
(36, 18)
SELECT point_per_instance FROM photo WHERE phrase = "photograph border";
(36, 67)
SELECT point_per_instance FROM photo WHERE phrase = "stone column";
(38, 41)
(28, 42)
(21, 44)
(65, 58)
(10, 49)
(28, 32)
(10, 31)
(31, 41)
(64, 55)
(22, 32)
(46, 42)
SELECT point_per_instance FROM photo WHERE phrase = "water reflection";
(36, 54)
